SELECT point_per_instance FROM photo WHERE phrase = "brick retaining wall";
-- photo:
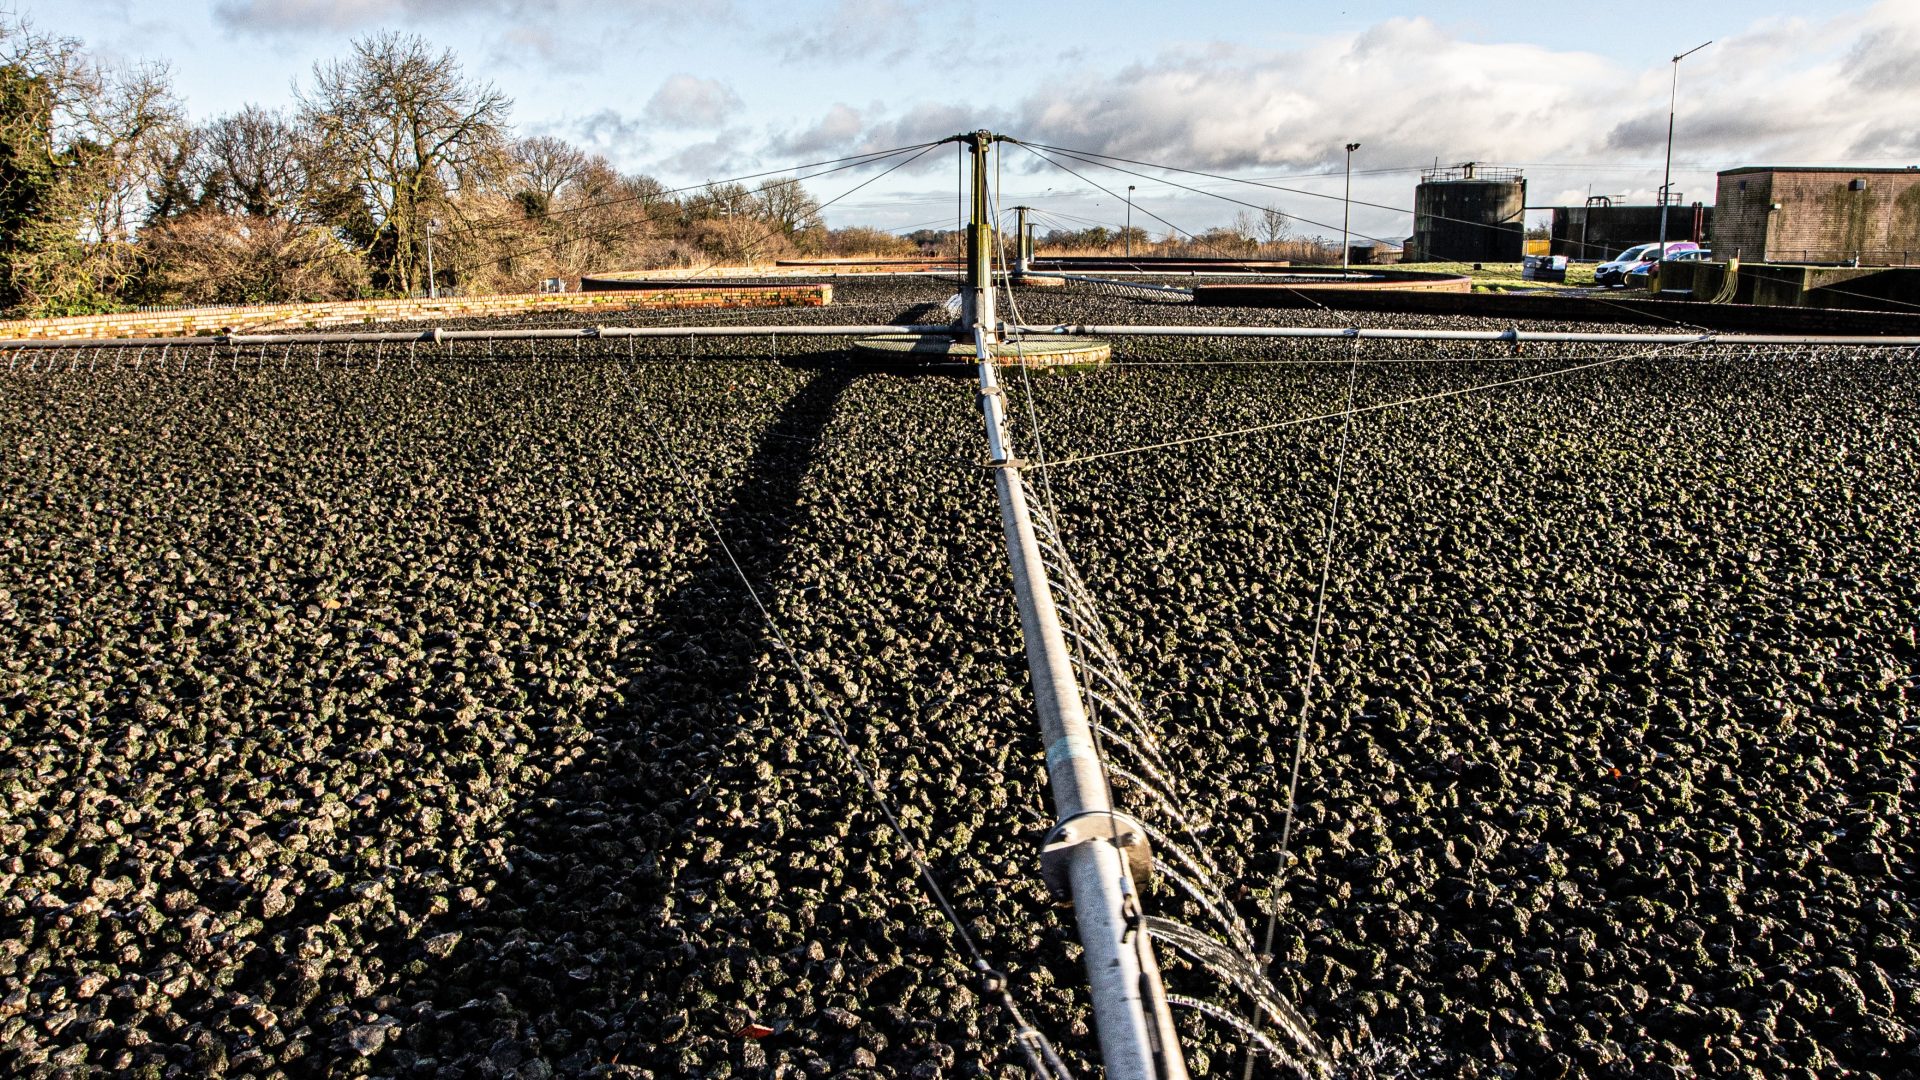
(268, 317)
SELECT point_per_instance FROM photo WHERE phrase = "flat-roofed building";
(1599, 231)
(1795, 214)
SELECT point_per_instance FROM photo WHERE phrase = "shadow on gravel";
(581, 953)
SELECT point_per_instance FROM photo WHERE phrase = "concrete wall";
(1468, 221)
(1551, 307)
(1609, 230)
(1822, 217)
(1866, 288)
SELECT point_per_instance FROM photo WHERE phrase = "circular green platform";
(936, 348)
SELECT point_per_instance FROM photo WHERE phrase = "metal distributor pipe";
(438, 336)
(1093, 850)
(1514, 335)
(1173, 289)
(1093, 853)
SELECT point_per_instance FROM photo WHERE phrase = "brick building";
(1818, 215)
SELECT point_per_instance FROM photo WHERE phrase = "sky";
(693, 90)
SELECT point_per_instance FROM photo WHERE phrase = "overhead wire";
(856, 159)
(669, 209)
(766, 233)
(1297, 421)
(1264, 183)
(1141, 942)
(1083, 178)
(1095, 159)
(1197, 239)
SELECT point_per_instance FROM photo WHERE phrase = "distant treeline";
(1244, 239)
(392, 165)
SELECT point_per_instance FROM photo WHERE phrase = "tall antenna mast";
(1094, 853)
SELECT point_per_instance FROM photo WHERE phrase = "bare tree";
(405, 130)
(1275, 226)
(718, 201)
(542, 166)
(215, 257)
(84, 145)
(641, 188)
(254, 163)
(786, 205)
(599, 220)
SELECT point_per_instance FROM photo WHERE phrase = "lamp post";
(1346, 210)
(433, 292)
(1666, 180)
(1129, 232)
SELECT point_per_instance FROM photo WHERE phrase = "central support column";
(977, 308)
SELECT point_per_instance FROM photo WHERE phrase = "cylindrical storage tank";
(1469, 213)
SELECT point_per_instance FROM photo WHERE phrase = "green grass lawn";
(1501, 276)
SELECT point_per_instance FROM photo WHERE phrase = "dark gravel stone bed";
(402, 717)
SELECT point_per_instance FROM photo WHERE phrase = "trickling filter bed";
(405, 719)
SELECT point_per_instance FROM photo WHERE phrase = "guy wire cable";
(1313, 669)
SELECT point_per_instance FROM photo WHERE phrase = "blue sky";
(689, 90)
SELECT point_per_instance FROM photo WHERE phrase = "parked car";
(1642, 272)
(1614, 272)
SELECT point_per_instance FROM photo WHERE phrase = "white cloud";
(311, 16)
(606, 131)
(1796, 89)
(837, 130)
(726, 154)
(687, 101)
(875, 31)
(1403, 88)
(540, 46)
(554, 19)
(1824, 88)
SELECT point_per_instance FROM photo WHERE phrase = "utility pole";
(1346, 211)
(1666, 179)
(433, 288)
(1023, 242)
(1129, 232)
(1094, 851)
(1586, 218)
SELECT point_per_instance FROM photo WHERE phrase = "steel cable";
(1313, 664)
(1083, 178)
(1297, 421)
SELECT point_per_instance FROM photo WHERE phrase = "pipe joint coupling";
(1109, 826)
